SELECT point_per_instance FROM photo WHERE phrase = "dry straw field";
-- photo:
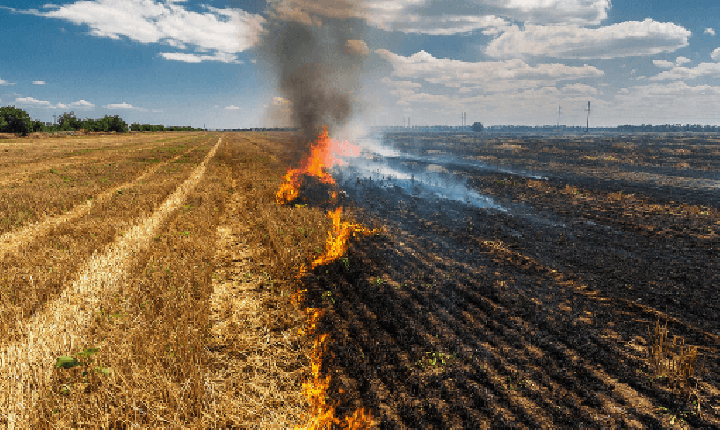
(148, 281)
(192, 280)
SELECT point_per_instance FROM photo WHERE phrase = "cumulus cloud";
(487, 77)
(195, 58)
(232, 107)
(4, 82)
(124, 105)
(30, 101)
(579, 88)
(682, 60)
(34, 102)
(223, 32)
(715, 55)
(709, 31)
(38, 82)
(509, 91)
(667, 102)
(625, 39)
(446, 17)
(678, 72)
(663, 64)
(82, 104)
(445, 25)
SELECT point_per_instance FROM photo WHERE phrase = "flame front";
(321, 158)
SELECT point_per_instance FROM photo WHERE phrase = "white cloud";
(625, 39)
(30, 101)
(157, 110)
(233, 107)
(579, 88)
(195, 58)
(701, 70)
(444, 25)
(33, 102)
(38, 82)
(4, 82)
(624, 91)
(667, 103)
(510, 90)
(709, 31)
(123, 105)
(663, 63)
(222, 32)
(446, 17)
(715, 55)
(82, 104)
(216, 106)
(487, 77)
(682, 60)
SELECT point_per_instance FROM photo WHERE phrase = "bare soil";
(473, 318)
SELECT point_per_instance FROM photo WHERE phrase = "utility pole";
(558, 123)
(587, 120)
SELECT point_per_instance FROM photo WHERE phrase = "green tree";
(114, 123)
(90, 125)
(14, 120)
(68, 122)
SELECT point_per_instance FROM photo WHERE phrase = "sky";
(185, 62)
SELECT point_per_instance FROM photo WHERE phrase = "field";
(155, 280)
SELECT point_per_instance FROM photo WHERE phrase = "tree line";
(14, 120)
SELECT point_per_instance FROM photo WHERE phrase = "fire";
(321, 158)
(323, 415)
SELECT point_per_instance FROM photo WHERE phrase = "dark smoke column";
(317, 64)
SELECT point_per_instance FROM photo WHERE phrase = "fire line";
(321, 158)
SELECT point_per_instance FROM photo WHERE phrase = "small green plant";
(68, 362)
(435, 359)
(328, 295)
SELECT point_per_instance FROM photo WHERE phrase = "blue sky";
(501, 61)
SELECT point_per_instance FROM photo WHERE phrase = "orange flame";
(321, 158)
(336, 245)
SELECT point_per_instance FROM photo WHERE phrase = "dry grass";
(673, 361)
(34, 190)
(177, 314)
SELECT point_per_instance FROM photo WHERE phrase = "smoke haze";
(316, 64)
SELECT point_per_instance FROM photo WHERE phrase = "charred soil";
(540, 316)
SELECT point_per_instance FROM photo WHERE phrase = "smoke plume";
(317, 63)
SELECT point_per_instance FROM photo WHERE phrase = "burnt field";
(521, 281)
